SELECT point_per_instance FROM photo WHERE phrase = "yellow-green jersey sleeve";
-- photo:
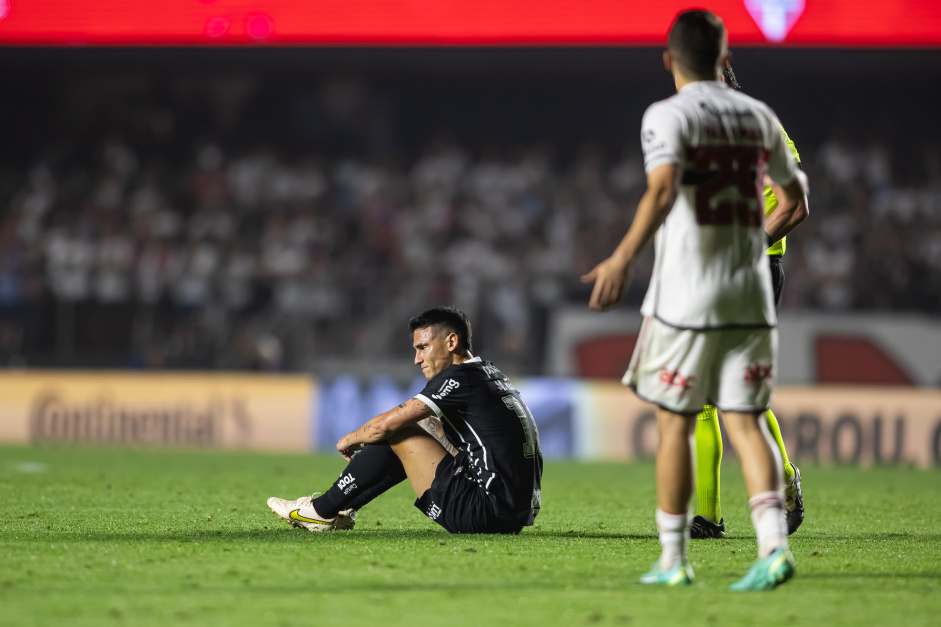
(771, 203)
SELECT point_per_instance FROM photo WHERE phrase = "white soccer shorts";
(681, 370)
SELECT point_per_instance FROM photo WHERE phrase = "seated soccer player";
(489, 483)
(780, 219)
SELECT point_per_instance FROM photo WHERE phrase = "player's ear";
(452, 341)
(667, 61)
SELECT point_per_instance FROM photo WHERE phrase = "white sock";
(674, 535)
(767, 514)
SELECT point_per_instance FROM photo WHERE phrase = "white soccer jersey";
(710, 269)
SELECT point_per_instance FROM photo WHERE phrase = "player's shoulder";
(672, 106)
(768, 119)
(449, 385)
(753, 103)
(454, 371)
(762, 108)
(476, 368)
(663, 117)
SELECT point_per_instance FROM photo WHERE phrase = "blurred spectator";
(167, 251)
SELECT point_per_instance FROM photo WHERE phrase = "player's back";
(710, 270)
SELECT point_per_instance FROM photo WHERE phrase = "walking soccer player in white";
(708, 335)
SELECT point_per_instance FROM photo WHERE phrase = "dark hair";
(695, 41)
(730, 78)
(447, 317)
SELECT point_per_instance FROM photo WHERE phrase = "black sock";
(371, 472)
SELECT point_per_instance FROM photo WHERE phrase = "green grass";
(108, 537)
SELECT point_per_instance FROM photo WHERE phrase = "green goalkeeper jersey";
(771, 202)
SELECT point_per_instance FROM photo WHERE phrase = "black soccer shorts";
(459, 504)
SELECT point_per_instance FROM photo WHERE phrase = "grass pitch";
(108, 537)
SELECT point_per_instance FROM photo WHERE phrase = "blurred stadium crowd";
(141, 233)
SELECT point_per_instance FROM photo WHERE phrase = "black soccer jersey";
(484, 415)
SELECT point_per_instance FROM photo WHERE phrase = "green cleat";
(769, 572)
(679, 575)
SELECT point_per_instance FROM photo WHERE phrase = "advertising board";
(825, 425)
(580, 419)
(176, 410)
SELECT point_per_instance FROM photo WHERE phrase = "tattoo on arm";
(432, 425)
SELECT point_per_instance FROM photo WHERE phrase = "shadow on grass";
(849, 537)
(280, 536)
(871, 575)
(277, 534)
(538, 586)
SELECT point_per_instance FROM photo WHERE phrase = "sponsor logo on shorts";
(446, 388)
(756, 373)
(433, 511)
(674, 379)
(345, 483)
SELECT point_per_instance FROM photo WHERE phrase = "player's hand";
(610, 277)
(346, 449)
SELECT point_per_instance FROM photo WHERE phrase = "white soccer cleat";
(301, 513)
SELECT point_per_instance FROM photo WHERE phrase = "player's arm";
(382, 426)
(787, 215)
(611, 275)
(789, 184)
(433, 427)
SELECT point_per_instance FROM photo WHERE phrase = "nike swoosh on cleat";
(295, 516)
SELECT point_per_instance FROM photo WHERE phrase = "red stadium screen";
(459, 22)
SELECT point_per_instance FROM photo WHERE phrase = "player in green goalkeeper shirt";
(708, 523)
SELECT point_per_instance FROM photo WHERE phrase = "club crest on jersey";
(674, 379)
(446, 388)
(756, 373)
